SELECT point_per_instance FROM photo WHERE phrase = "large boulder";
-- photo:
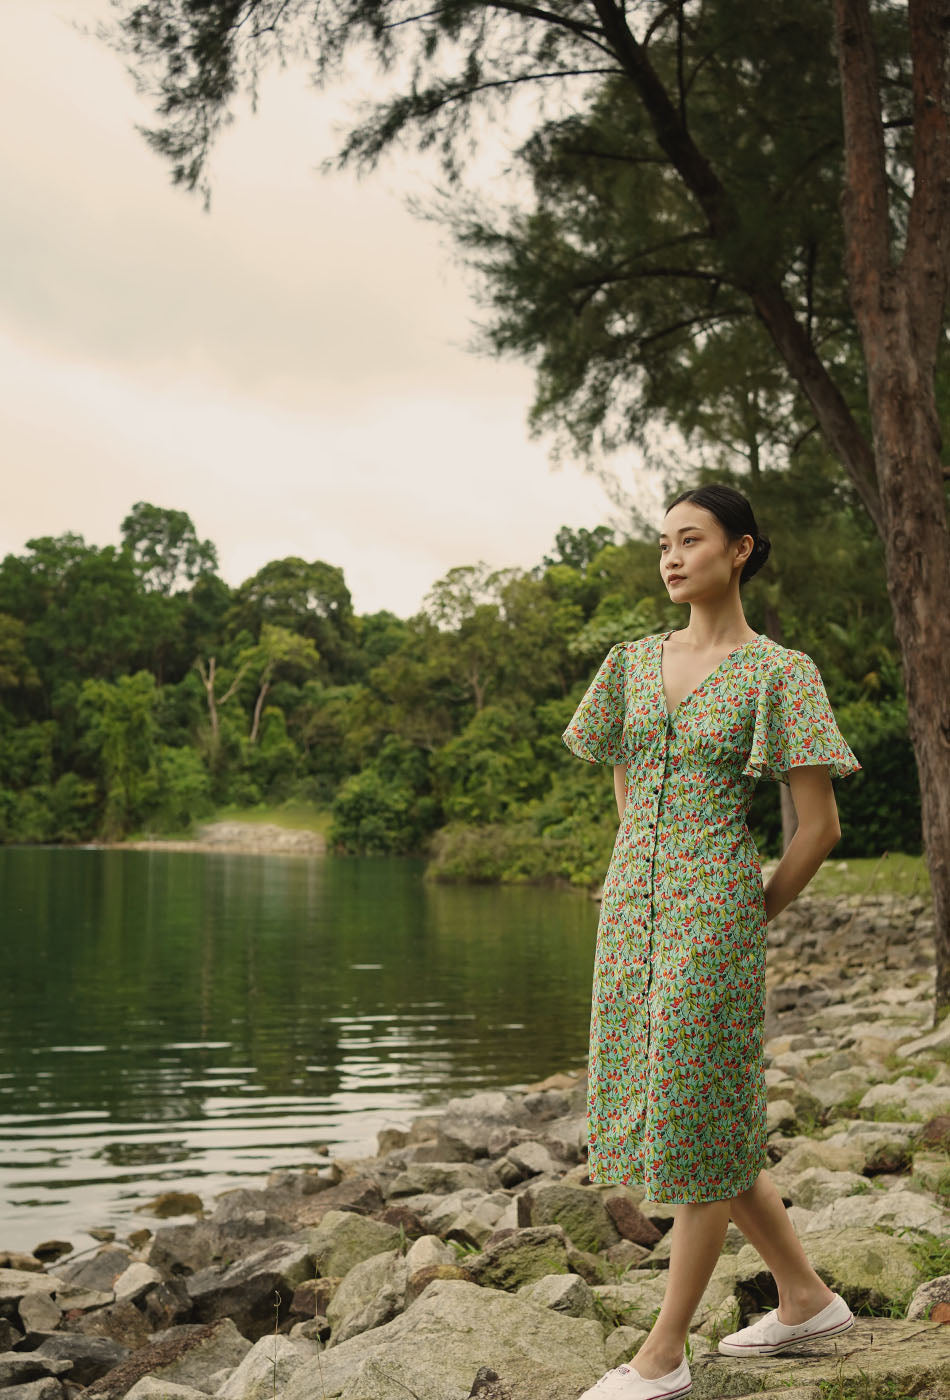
(521, 1257)
(372, 1293)
(897, 1209)
(255, 1291)
(343, 1238)
(270, 1363)
(581, 1212)
(866, 1266)
(189, 1357)
(436, 1347)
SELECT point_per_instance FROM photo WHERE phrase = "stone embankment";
(472, 1257)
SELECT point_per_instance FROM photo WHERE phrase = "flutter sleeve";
(795, 726)
(595, 732)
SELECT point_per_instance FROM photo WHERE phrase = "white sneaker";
(626, 1383)
(768, 1335)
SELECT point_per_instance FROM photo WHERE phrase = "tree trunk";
(899, 308)
(259, 703)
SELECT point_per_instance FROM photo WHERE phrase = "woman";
(676, 1095)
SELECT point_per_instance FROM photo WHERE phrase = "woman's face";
(693, 546)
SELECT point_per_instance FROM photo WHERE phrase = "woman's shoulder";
(786, 662)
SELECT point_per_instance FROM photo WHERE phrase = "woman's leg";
(699, 1230)
(763, 1219)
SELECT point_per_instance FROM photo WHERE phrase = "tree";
(120, 729)
(311, 600)
(278, 648)
(674, 64)
(165, 548)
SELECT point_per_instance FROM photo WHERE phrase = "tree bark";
(899, 307)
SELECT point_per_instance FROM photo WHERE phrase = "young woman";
(690, 719)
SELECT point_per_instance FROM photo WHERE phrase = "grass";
(863, 1388)
(893, 873)
(293, 815)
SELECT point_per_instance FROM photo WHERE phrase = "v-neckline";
(664, 637)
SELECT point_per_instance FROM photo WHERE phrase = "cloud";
(288, 368)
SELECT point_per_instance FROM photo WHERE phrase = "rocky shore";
(472, 1257)
(249, 838)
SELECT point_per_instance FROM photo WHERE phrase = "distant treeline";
(140, 693)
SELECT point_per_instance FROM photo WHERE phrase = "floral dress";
(676, 1095)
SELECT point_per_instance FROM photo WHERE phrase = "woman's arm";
(818, 831)
(620, 786)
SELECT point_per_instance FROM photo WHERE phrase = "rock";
(20, 1367)
(188, 1359)
(936, 1132)
(38, 1312)
(930, 1168)
(866, 1266)
(630, 1221)
(121, 1322)
(441, 1177)
(523, 1256)
(898, 1209)
(583, 1215)
(622, 1344)
(371, 1294)
(88, 1357)
(531, 1159)
(846, 1156)
(928, 1296)
(428, 1249)
(878, 1356)
(47, 1251)
(779, 1115)
(344, 1238)
(135, 1281)
(245, 1291)
(177, 1250)
(817, 1187)
(436, 1348)
(48, 1388)
(563, 1293)
(166, 1304)
(468, 1121)
(357, 1194)
(16, 1283)
(270, 1362)
(633, 1301)
(100, 1271)
(937, 1039)
(149, 1388)
(28, 1263)
(9, 1336)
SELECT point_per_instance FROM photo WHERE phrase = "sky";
(289, 368)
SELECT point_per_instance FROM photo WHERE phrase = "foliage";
(437, 734)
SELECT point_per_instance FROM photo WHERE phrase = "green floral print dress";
(676, 1095)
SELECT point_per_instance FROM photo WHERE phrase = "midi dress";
(676, 1095)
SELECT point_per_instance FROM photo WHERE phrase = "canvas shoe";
(626, 1383)
(768, 1335)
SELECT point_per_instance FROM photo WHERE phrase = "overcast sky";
(289, 368)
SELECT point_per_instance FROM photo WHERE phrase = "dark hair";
(736, 517)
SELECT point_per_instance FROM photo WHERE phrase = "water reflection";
(219, 1017)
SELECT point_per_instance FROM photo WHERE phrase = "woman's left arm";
(817, 833)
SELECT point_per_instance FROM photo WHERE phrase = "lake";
(199, 1020)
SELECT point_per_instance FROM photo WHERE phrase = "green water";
(198, 1021)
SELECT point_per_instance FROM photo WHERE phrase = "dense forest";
(140, 693)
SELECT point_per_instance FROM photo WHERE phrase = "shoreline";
(471, 1254)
